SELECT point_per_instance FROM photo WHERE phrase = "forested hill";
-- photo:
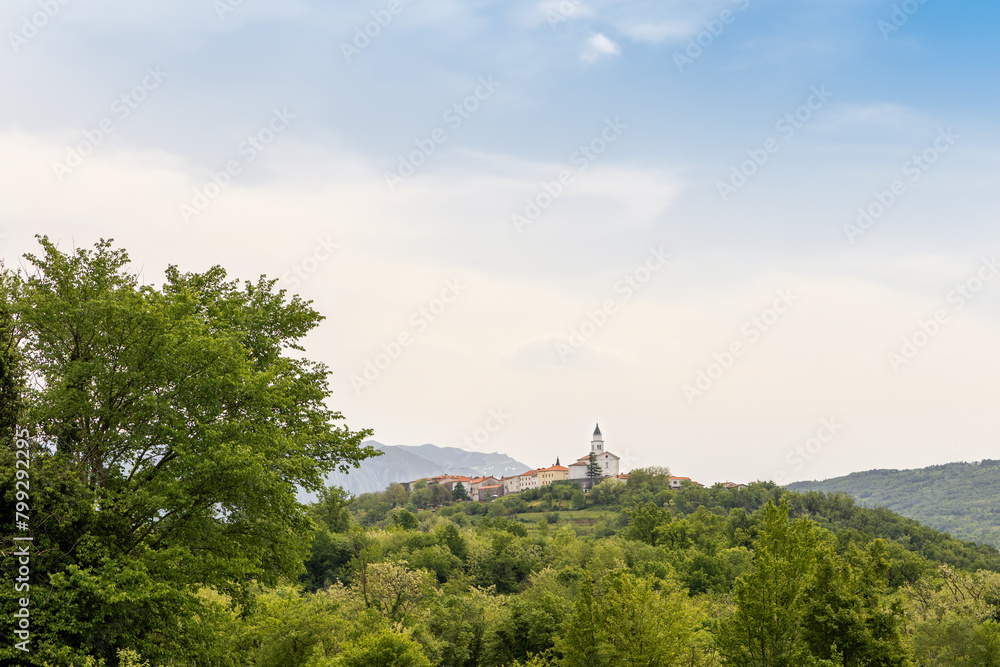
(956, 498)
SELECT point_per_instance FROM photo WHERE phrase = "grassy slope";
(962, 499)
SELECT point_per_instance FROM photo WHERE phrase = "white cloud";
(599, 46)
(656, 31)
(897, 117)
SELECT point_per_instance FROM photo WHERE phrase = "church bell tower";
(597, 444)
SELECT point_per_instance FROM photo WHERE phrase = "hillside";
(402, 463)
(957, 498)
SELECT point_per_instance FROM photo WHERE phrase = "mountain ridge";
(959, 498)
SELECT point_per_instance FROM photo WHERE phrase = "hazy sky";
(754, 238)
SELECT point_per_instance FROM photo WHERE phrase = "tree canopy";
(172, 427)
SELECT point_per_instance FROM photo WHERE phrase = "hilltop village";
(588, 470)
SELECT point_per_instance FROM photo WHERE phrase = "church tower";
(597, 444)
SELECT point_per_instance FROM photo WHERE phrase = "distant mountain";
(403, 463)
(962, 499)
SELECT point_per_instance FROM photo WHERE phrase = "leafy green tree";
(329, 561)
(394, 590)
(404, 519)
(462, 626)
(652, 480)
(645, 523)
(634, 621)
(175, 424)
(578, 499)
(459, 492)
(449, 536)
(644, 625)
(608, 492)
(384, 648)
(11, 370)
(396, 495)
(582, 643)
(845, 613)
(504, 562)
(332, 510)
(365, 551)
(765, 629)
(529, 626)
(437, 559)
(286, 629)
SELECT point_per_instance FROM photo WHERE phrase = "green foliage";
(528, 626)
(332, 511)
(404, 519)
(382, 649)
(645, 523)
(329, 560)
(765, 628)
(459, 492)
(957, 498)
(449, 536)
(512, 526)
(633, 621)
(593, 467)
(11, 363)
(437, 559)
(608, 492)
(172, 427)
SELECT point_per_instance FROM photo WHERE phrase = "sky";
(754, 239)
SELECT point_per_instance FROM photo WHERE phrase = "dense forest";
(156, 440)
(957, 498)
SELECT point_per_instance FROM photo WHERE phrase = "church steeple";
(597, 444)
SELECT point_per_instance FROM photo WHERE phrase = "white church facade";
(607, 461)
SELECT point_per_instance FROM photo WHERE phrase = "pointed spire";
(597, 431)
